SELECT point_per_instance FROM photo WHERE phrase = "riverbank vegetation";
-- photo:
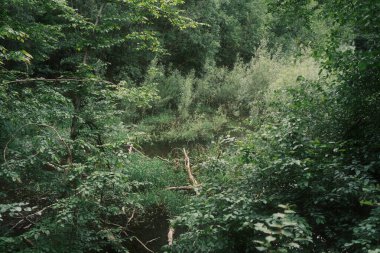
(189, 126)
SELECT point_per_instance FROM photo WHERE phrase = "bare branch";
(28, 80)
(192, 179)
(142, 244)
(130, 218)
(163, 159)
(170, 236)
(140, 152)
(154, 239)
(27, 218)
(186, 187)
(194, 187)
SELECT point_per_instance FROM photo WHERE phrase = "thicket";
(68, 179)
(277, 100)
(198, 109)
(308, 179)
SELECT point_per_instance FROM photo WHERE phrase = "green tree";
(67, 180)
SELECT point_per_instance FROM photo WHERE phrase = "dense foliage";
(278, 102)
(68, 183)
(313, 162)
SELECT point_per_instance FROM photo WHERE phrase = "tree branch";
(192, 179)
(142, 244)
(186, 187)
(26, 218)
(28, 80)
(170, 236)
(194, 187)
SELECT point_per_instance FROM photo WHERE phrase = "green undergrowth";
(99, 207)
(272, 191)
(110, 109)
(160, 175)
(201, 108)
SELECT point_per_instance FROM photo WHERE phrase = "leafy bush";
(297, 161)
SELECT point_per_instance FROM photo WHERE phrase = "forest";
(190, 126)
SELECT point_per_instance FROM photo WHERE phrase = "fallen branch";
(138, 151)
(186, 187)
(192, 179)
(163, 159)
(194, 186)
(154, 239)
(142, 244)
(171, 236)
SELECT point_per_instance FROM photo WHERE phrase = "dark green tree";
(67, 180)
